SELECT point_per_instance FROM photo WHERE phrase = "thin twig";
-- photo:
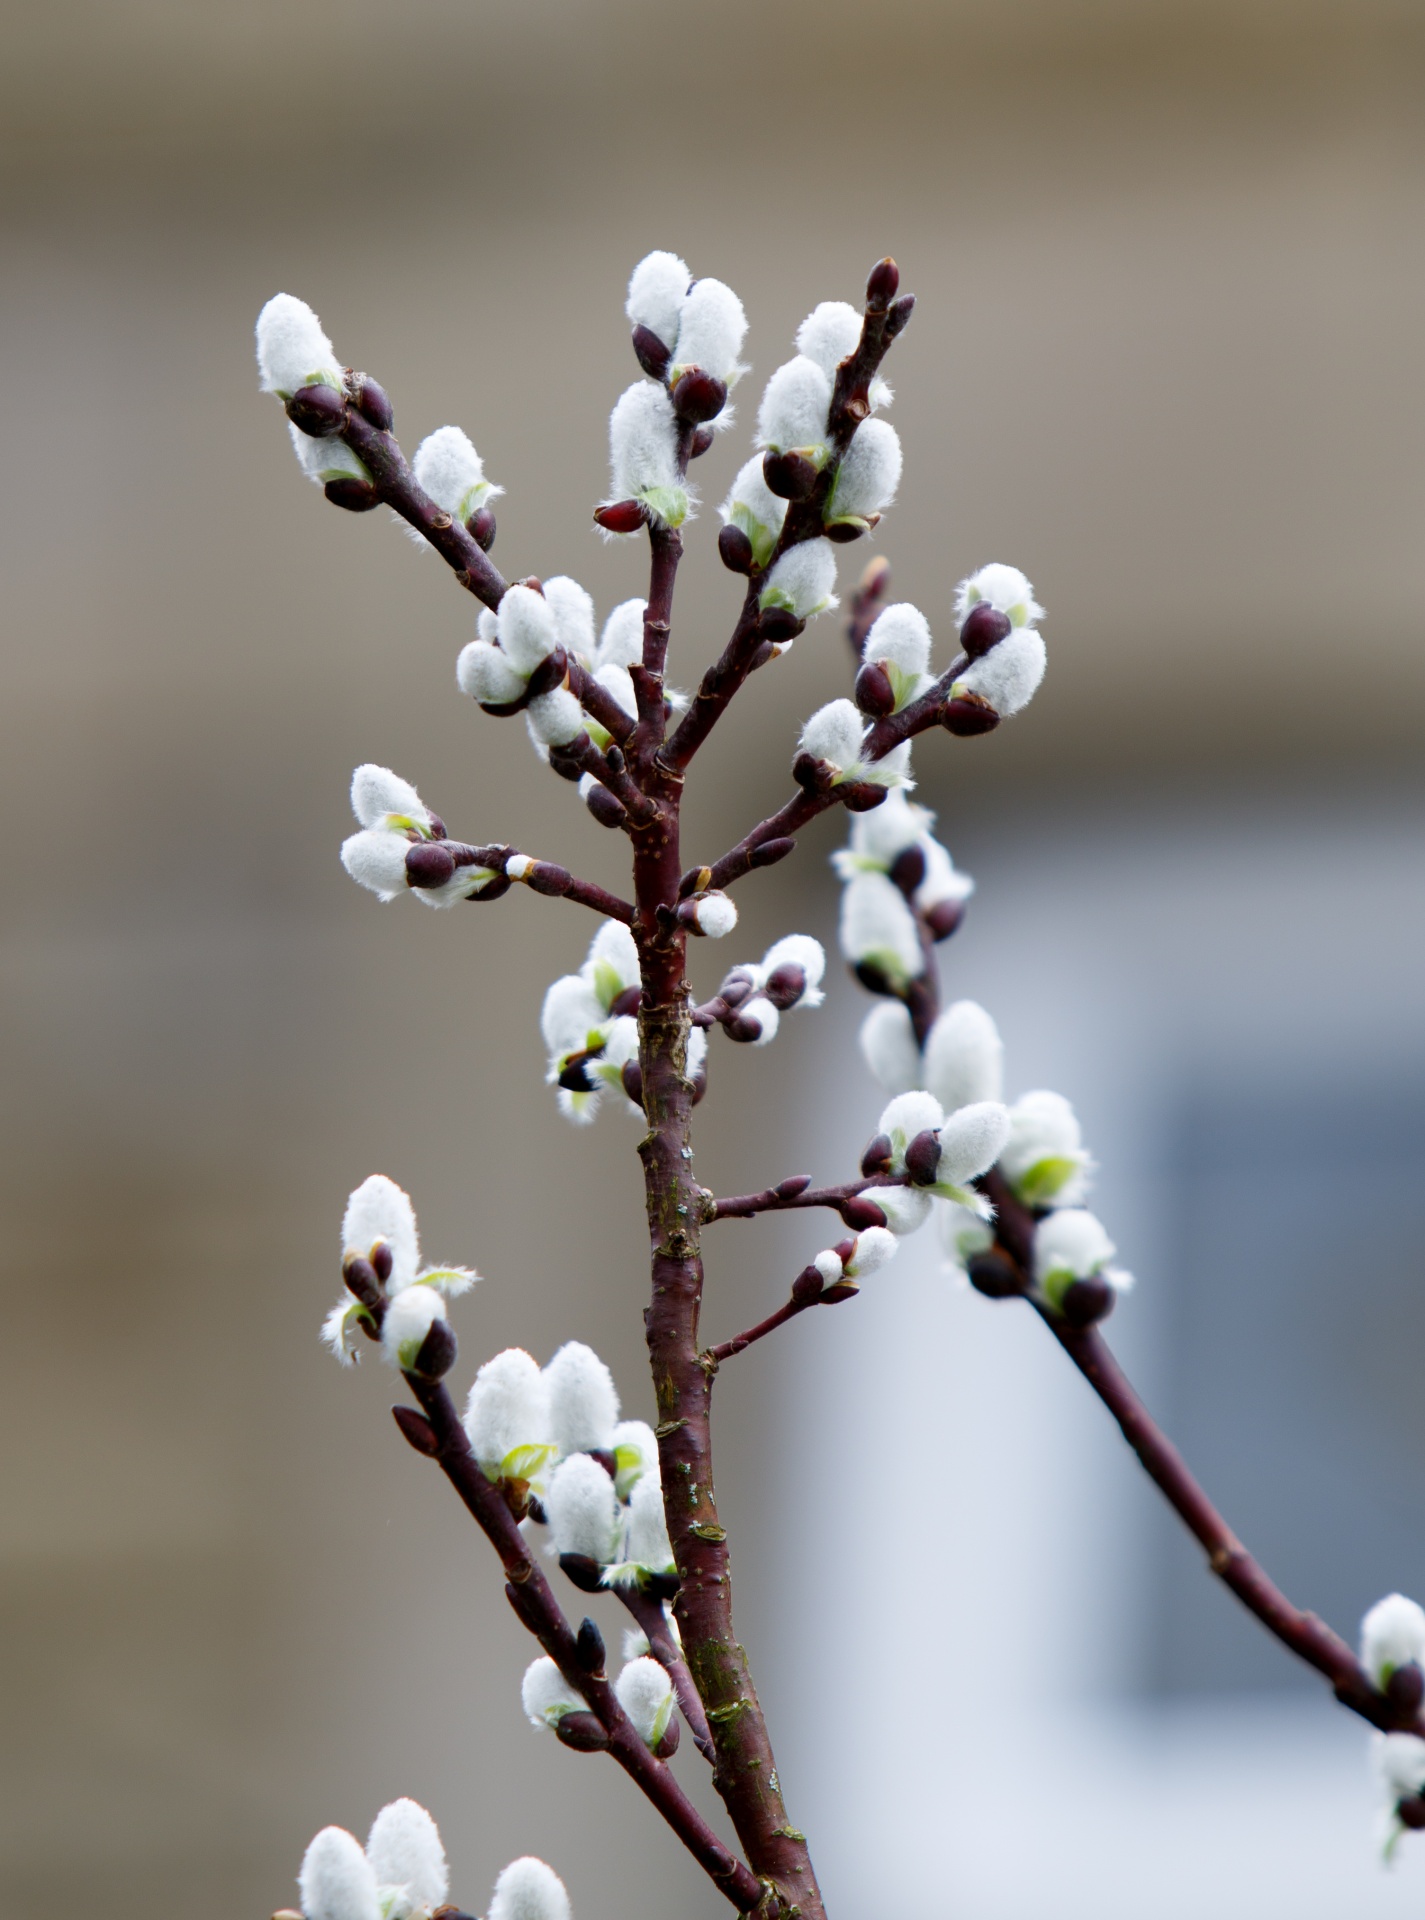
(665, 1650)
(788, 820)
(746, 1206)
(787, 1311)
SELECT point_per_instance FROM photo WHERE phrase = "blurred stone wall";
(1166, 358)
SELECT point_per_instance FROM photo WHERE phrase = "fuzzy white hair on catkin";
(449, 469)
(1392, 1635)
(830, 334)
(869, 473)
(613, 948)
(571, 1013)
(875, 1247)
(943, 879)
(404, 1849)
(546, 1695)
(750, 492)
(794, 407)
(906, 1116)
(555, 719)
(648, 1543)
(964, 1056)
(715, 915)
(326, 459)
(799, 950)
(971, 1140)
(621, 642)
(615, 680)
(527, 629)
(527, 1889)
(380, 1210)
(711, 329)
(877, 926)
(878, 838)
(379, 797)
(1004, 588)
(906, 1208)
(643, 441)
(760, 1012)
(635, 1451)
(697, 1051)
(835, 733)
(573, 611)
(583, 1399)
(409, 1318)
(657, 289)
(486, 672)
(582, 1508)
(803, 579)
(508, 1407)
(292, 349)
(1008, 676)
(889, 1046)
(1071, 1241)
(900, 635)
(645, 1693)
(336, 1881)
(377, 860)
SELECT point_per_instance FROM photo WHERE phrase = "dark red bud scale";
(582, 1732)
(493, 889)
(547, 878)
(877, 1157)
(548, 674)
(985, 626)
(908, 869)
(662, 1586)
(695, 880)
(481, 528)
(632, 1077)
(1411, 1812)
(943, 918)
(922, 1158)
(319, 411)
(785, 985)
(813, 774)
(735, 988)
(760, 658)
(993, 1274)
(568, 762)
(608, 811)
(382, 1261)
(573, 1075)
(418, 1430)
(356, 496)
(1086, 1301)
(437, 828)
(373, 403)
(883, 285)
(621, 516)
(871, 977)
(791, 476)
(969, 715)
(859, 1212)
(862, 796)
(429, 864)
(791, 1187)
(651, 353)
(770, 852)
(843, 1290)
(779, 624)
(625, 1002)
(668, 1745)
(583, 1570)
(699, 396)
(898, 318)
(741, 1029)
(1405, 1689)
(437, 1352)
(873, 691)
(589, 1646)
(361, 1280)
(735, 549)
(702, 441)
(842, 532)
(807, 1286)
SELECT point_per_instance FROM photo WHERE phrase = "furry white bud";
(294, 352)
(554, 719)
(869, 473)
(794, 407)
(546, 1696)
(380, 798)
(583, 1509)
(646, 1695)
(1004, 588)
(377, 860)
(711, 329)
(526, 627)
(621, 643)
(612, 966)
(971, 1140)
(643, 452)
(906, 1116)
(573, 611)
(799, 950)
(899, 643)
(336, 1881)
(507, 1416)
(325, 459)
(760, 1014)
(752, 505)
(906, 1208)
(830, 334)
(878, 929)
(529, 1890)
(380, 1211)
(487, 674)
(571, 1020)
(583, 1400)
(648, 1543)
(409, 1318)
(801, 582)
(405, 1852)
(942, 880)
(1392, 1635)
(889, 1046)
(635, 1452)
(1045, 1160)
(1400, 1763)
(835, 733)
(1008, 676)
(963, 1234)
(1073, 1245)
(873, 1248)
(964, 1057)
(656, 293)
(715, 915)
(449, 469)
(615, 680)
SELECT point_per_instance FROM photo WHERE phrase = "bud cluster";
(401, 1874)
(389, 1296)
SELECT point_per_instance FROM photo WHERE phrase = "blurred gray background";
(1167, 359)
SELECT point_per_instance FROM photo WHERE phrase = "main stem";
(745, 1770)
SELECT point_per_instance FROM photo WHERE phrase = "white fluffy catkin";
(529, 1890)
(900, 637)
(449, 469)
(711, 329)
(527, 628)
(877, 927)
(583, 1509)
(486, 672)
(803, 580)
(869, 473)
(583, 1401)
(325, 459)
(646, 1695)
(1392, 1635)
(1002, 587)
(409, 1318)
(380, 1210)
(889, 1046)
(829, 334)
(794, 407)
(964, 1057)
(656, 292)
(380, 798)
(971, 1140)
(621, 643)
(292, 349)
(643, 442)
(554, 719)
(405, 1851)
(835, 734)
(573, 611)
(336, 1881)
(546, 1696)
(1008, 676)
(508, 1408)
(377, 860)
(648, 1543)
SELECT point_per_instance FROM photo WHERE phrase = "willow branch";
(533, 1600)
(771, 839)
(739, 1342)
(796, 1193)
(649, 1614)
